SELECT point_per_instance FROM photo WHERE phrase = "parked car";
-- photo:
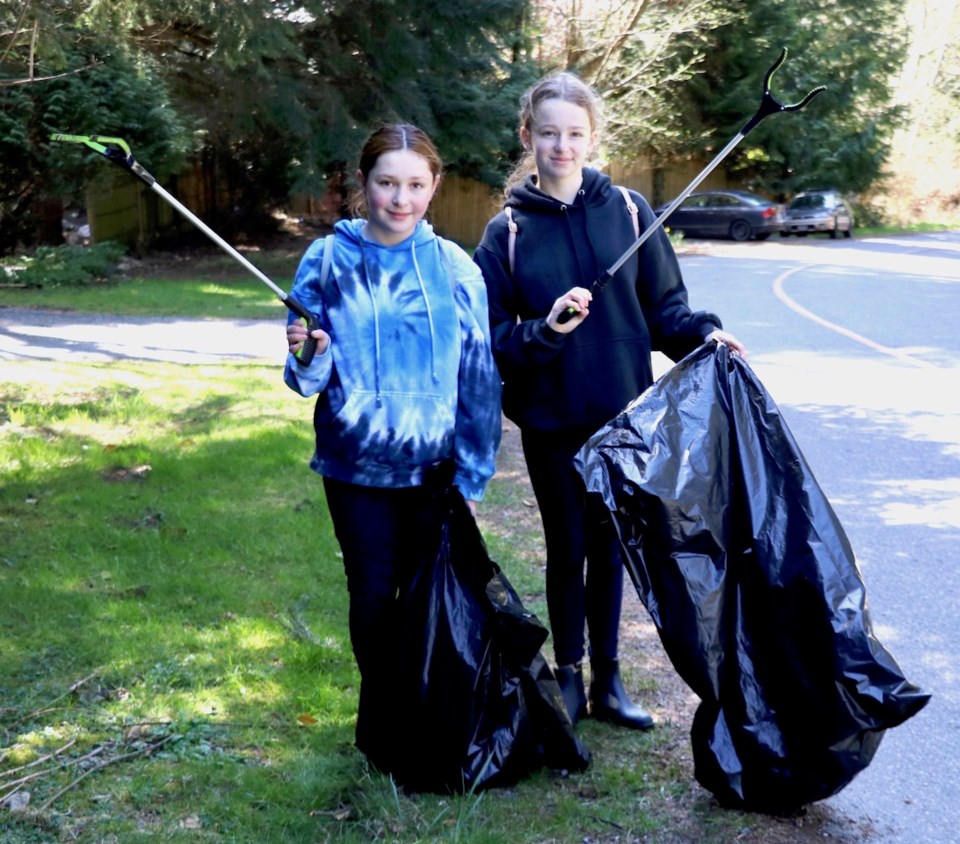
(737, 214)
(816, 212)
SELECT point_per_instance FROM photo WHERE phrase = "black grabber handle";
(309, 349)
(595, 290)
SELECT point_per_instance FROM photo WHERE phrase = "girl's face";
(561, 137)
(398, 191)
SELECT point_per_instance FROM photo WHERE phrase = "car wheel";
(833, 233)
(784, 234)
(849, 231)
(740, 230)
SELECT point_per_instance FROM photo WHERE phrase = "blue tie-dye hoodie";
(408, 379)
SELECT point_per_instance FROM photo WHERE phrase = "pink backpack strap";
(632, 208)
(511, 238)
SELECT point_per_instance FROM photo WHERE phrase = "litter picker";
(117, 151)
(768, 105)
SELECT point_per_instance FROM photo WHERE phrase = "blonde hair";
(561, 85)
(391, 137)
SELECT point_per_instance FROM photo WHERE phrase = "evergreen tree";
(842, 138)
(277, 95)
(56, 75)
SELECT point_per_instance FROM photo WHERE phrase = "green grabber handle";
(118, 151)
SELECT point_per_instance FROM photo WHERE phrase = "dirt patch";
(652, 680)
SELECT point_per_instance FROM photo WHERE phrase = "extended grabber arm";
(768, 105)
(118, 151)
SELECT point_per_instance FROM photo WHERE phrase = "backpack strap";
(511, 238)
(512, 225)
(327, 258)
(632, 208)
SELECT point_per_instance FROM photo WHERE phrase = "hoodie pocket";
(401, 430)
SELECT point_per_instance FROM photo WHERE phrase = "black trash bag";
(477, 704)
(751, 583)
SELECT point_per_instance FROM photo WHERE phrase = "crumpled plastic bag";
(752, 584)
(480, 706)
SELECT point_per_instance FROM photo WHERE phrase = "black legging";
(385, 536)
(576, 527)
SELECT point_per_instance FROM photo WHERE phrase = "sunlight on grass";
(173, 598)
(243, 297)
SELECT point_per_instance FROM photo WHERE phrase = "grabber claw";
(770, 104)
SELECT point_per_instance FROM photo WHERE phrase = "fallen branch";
(146, 751)
(14, 786)
(40, 760)
(296, 625)
(29, 80)
(72, 690)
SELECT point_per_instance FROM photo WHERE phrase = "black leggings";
(576, 527)
(385, 535)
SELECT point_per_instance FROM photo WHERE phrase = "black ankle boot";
(570, 678)
(609, 701)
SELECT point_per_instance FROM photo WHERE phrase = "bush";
(868, 214)
(62, 266)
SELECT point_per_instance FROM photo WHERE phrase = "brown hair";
(561, 85)
(391, 137)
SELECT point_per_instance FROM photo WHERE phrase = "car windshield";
(809, 201)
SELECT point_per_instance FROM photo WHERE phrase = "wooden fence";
(462, 207)
(122, 208)
(128, 211)
(660, 185)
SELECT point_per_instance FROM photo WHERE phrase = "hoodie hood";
(352, 231)
(572, 219)
(528, 196)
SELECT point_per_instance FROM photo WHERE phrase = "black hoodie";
(581, 380)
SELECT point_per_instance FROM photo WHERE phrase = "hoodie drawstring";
(426, 300)
(376, 324)
(376, 319)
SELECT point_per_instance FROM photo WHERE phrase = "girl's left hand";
(297, 333)
(728, 340)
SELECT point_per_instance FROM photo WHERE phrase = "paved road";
(27, 335)
(859, 343)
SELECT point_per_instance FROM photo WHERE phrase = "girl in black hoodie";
(564, 381)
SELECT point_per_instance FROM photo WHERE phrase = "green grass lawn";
(174, 656)
(235, 296)
(205, 282)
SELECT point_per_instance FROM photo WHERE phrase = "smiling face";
(398, 190)
(561, 136)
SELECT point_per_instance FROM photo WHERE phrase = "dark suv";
(818, 211)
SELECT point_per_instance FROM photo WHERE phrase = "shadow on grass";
(186, 579)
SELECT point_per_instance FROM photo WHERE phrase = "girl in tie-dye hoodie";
(405, 384)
